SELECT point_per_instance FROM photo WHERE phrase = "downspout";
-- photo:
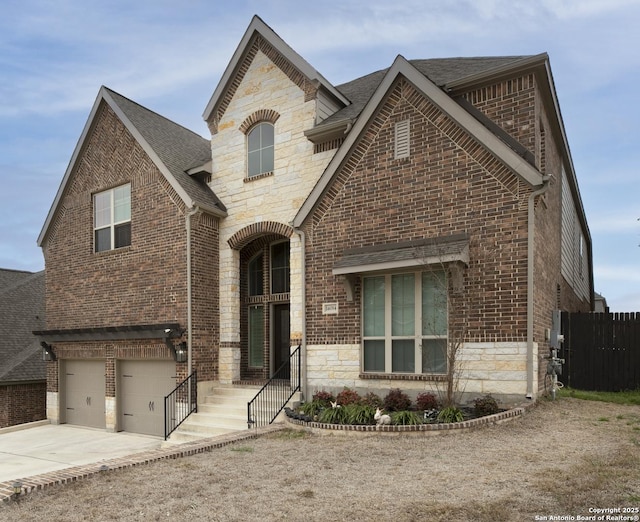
(303, 343)
(191, 212)
(530, 269)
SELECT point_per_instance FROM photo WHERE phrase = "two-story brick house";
(374, 223)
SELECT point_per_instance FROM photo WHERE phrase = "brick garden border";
(427, 429)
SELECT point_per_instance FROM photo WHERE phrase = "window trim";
(251, 261)
(250, 345)
(262, 172)
(287, 268)
(113, 224)
(418, 337)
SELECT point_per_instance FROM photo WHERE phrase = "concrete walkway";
(45, 454)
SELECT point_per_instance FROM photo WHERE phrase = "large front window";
(112, 218)
(405, 323)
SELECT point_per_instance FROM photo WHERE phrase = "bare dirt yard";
(567, 458)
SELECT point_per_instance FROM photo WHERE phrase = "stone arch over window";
(263, 115)
(247, 234)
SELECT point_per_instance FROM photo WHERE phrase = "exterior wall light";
(47, 352)
(180, 351)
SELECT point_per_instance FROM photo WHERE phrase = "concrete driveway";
(43, 448)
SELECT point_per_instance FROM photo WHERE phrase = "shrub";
(426, 401)
(405, 418)
(371, 399)
(333, 416)
(325, 397)
(450, 414)
(313, 408)
(396, 400)
(359, 414)
(347, 396)
(486, 405)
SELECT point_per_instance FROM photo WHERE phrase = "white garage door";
(83, 384)
(142, 387)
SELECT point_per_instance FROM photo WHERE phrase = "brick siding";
(21, 403)
(144, 283)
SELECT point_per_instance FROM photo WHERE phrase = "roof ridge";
(17, 284)
(18, 358)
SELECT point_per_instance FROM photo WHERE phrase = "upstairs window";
(260, 150)
(112, 218)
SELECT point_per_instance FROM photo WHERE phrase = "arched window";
(256, 276)
(260, 149)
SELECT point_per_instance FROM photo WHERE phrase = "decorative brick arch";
(267, 115)
(247, 234)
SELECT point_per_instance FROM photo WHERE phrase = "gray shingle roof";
(21, 312)
(178, 148)
(440, 71)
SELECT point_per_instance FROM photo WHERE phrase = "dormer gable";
(259, 37)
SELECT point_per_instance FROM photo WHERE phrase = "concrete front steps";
(222, 411)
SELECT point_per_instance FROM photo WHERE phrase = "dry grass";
(560, 459)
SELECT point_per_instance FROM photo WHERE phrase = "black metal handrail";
(275, 394)
(180, 403)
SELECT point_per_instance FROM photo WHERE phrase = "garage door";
(83, 384)
(142, 387)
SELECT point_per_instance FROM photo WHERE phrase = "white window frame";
(388, 337)
(261, 150)
(111, 223)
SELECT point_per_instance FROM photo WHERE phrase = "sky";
(169, 55)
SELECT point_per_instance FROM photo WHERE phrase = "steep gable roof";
(401, 67)
(173, 148)
(21, 312)
(440, 71)
(233, 73)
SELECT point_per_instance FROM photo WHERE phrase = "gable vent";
(402, 139)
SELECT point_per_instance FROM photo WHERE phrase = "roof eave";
(74, 157)
(497, 73)
(330, 131)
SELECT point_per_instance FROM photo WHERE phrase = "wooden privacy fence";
(601, 351)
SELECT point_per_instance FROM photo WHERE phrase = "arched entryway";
(264, 299)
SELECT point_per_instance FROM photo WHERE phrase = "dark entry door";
(281, 337)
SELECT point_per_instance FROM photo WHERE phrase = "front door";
(281, 337)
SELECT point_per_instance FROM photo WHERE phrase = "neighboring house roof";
(173, 148)
(21, 312)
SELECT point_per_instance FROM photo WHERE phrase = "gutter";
(530, 261)
(303, 342)
(191, 212)
(328, 131)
